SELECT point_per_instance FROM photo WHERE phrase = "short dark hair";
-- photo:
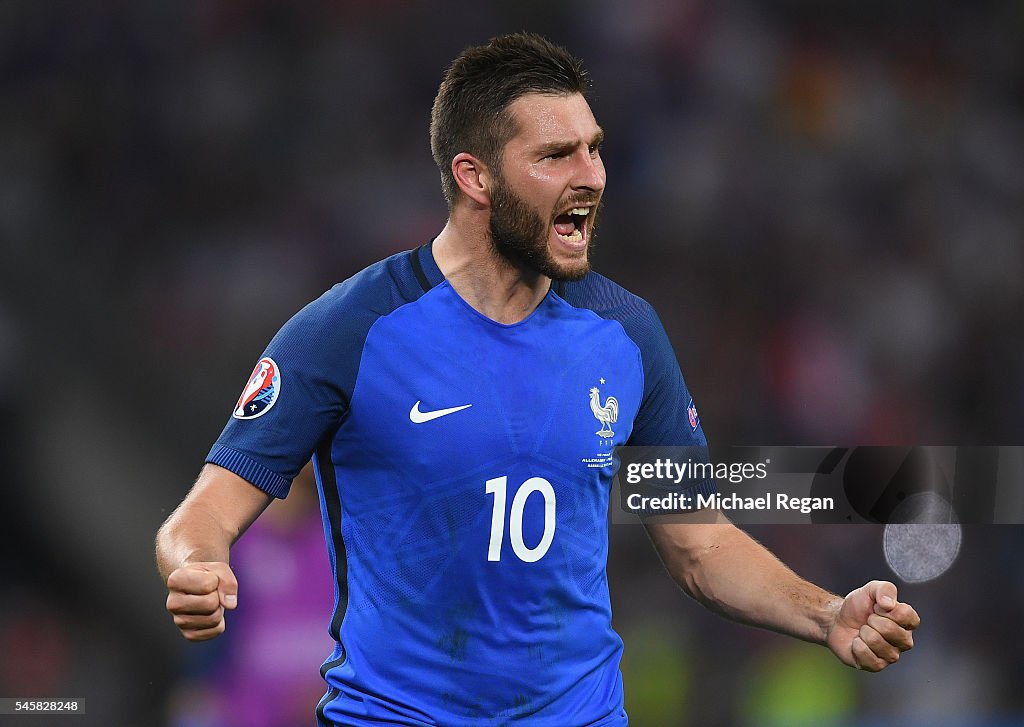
(470, 112)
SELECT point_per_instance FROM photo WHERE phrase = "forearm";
(734, 575)
(212, 517)
(191, 535)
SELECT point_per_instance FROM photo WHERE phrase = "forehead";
(542, 118)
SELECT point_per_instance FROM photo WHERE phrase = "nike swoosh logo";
(418, 417)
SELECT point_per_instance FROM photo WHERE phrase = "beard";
(520, 235)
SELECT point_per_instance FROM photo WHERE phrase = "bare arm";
(732, 574)
(192, 549)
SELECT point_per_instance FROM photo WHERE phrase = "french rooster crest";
(607, 414)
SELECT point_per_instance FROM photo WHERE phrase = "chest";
(468, 394)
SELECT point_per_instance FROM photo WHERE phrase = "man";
(460, 402)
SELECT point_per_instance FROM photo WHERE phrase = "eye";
(556, 155)
(595, 149)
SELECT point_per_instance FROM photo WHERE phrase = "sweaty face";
(520, 234)
(546, 193)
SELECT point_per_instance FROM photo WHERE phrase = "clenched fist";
(198, 595)
(872, 628)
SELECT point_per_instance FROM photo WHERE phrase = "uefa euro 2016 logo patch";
(691, 414)
(261, 392)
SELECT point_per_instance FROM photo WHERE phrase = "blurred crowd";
(825, 203)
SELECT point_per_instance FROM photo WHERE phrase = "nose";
(590, 172)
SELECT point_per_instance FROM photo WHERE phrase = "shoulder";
(378, 288)
(611, 301)
(352, 305)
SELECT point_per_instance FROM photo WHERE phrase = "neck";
(486, 281)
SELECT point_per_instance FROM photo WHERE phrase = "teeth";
(575, 236)
(580, 211)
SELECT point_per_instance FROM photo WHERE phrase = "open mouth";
(571, 226)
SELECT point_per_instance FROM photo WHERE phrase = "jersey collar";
(425, 267)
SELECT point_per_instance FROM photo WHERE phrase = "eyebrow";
(563, 146)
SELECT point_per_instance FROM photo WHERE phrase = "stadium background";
(824, 203)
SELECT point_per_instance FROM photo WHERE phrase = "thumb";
(228, 589)
(227, 584)
(884, 595)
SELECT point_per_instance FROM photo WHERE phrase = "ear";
(473, 178)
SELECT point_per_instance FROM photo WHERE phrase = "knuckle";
(187, 622)
(907, 617)
(190, 606)
(191, 580)
(182, 577)
(882, 623)
(194, 621)
(205, 581)
(203, 631)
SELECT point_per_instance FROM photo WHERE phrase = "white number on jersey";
(497, 487)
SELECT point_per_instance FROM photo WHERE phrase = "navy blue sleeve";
(269, 445)
(667, 413)
(278, 424)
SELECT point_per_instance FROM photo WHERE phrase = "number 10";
(497, 487)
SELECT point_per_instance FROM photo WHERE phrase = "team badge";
(691, 414)
(607, 414)
(261, 392)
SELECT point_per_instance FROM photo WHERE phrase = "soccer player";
(460, 402)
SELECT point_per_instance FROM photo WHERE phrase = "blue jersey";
(464, 468)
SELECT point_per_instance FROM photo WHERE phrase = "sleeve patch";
(261, 392)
